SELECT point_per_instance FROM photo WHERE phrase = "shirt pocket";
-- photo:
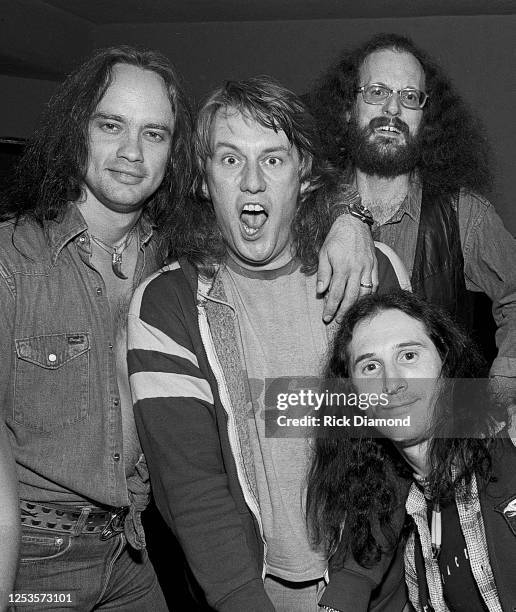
(51, 380)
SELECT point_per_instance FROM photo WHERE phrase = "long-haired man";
(84, 222)
(433, 448)
(395, 126)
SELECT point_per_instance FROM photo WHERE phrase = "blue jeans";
(97, 574)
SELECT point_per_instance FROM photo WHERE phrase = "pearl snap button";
(52, 357)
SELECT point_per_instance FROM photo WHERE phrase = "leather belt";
(75, 520)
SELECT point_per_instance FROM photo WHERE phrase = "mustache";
(396, 122)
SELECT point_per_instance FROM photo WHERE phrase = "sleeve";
(376, 588)
(380, 588)
(176, 421)
(490, 266)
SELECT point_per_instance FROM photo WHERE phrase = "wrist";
(352, 205)
(364, 214)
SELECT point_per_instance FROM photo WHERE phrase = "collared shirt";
(489, 260)
(472, 525)
(58, 388)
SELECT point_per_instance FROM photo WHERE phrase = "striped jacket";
(187, 385)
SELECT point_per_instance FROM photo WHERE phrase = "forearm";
(347, 261)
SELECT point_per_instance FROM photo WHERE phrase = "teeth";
(253, 208)
(249, 230)
(253, 217)
(389, 128)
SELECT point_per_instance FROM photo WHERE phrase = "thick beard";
(386, 159)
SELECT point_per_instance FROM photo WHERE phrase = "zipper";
(216, 367)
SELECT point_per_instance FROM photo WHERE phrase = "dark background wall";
(478, 52)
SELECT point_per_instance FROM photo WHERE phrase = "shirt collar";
(411, 205)
(72, 225)
(416, 501)
(61, 232)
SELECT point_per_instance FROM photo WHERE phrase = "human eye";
(377, 91)
(369, 368)
(110, 127)
(409, 356)
(155, 136)
(411, 95)
(273, 161)
(230, 160)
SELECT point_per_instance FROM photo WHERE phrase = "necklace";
(116, 251)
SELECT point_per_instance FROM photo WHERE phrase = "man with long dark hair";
(435, 446)
(393, 124)
(84, 222)
(204, 339)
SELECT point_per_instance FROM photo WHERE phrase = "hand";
(346, 259)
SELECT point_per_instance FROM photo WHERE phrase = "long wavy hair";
(51, 172)
(454, 150)
(355, 481)
(274, 107)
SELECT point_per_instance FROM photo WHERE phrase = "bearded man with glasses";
(392, 122)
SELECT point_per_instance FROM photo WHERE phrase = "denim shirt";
(58, 388)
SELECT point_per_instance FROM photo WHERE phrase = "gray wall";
(21, 104)
(478, 52)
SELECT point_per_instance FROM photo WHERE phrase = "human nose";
(252, 179)
(130, 147)
(394, 381)
(392, 105)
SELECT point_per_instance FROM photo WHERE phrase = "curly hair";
(51, 172)
(274, 107)
(454, 151)
(355, 481)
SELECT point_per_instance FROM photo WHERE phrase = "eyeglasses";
(379, 94)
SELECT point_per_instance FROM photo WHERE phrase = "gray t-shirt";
(282, 334)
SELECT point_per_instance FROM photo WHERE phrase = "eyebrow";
(397, 346)
(229, 145)
(121, 119)
(389, 87)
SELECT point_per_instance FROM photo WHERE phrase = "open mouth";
(387, 129)
(253, 218)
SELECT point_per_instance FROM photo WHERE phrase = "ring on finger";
(366, 285)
